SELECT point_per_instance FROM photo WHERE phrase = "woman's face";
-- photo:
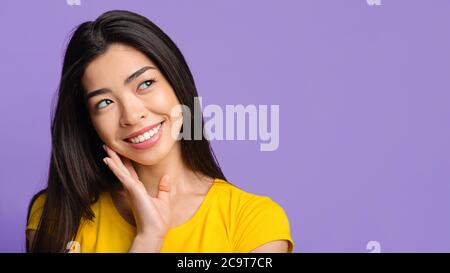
(130, 104)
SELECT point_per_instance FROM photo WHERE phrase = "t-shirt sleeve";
(35, 213)
(259, 221)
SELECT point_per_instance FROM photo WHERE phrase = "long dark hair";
(77, 175)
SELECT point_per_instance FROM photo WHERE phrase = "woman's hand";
(152, 215)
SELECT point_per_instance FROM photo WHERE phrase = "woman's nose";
(133, 111)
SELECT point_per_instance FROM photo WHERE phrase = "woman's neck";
(182, 178)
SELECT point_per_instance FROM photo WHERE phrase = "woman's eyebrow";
(137, 74)
(127, 81)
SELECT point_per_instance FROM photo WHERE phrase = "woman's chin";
(147, 159)
(146, 162)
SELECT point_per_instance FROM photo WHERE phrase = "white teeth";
(145, 136)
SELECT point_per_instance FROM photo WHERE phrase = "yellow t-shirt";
(228, 220)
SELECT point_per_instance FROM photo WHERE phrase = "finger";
(115, 157)
(119, 173)
(164, 188)
(127, 163)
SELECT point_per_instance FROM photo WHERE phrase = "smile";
(145, 136)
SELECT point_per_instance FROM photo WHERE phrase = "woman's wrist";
(146, 243)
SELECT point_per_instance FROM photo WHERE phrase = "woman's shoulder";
(257, 219)
(242, 199)
(38, 200)
(35, 210)
(37, 203)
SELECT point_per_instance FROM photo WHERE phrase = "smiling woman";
(118, 179)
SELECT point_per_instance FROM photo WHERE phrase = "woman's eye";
(103, 103)
(145, 84)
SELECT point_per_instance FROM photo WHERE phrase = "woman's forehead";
(117, 63)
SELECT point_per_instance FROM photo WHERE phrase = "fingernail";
(104, 147)
(104, 160)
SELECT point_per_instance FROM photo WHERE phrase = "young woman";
(120, 178)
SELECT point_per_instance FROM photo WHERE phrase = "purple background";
(363, 92)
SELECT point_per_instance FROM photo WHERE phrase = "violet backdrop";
(363, 90)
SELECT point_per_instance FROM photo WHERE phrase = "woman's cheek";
(105, 128)
(155, 101)
(162, 100)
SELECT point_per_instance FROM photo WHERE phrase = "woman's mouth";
(145, 136)
(146, 139)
